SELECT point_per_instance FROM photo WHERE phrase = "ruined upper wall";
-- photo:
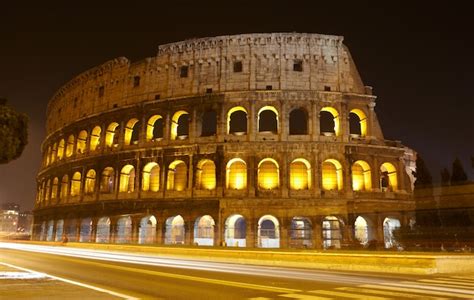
(267, 60)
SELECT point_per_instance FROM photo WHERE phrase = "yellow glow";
(231, 111)
(300, 174)
(95, 138)
(70, 146)
(53, 153)
(61, 149)
(48, 156)
(151, 126)
(48, 188)
(335, 115)
(206, 175)
(236, 174)
(76, 184)
(362, 121)
(151, 177)
(90, 181)
(268, 174)
(129, 128)
(332, 175)
(361, 176)
(81, 142)
(177, 176)
(174, 123)
(270, 108)
(127, 179)
(392, 175)
(110, 134)
(54, 190)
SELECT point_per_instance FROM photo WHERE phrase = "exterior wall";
(328, 78)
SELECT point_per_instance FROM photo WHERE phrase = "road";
(130, 276)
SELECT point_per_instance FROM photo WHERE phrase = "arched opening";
(298, 122)
(388, 177)
(361, 176)
(174, 234)
(206, 175)
(329, 121)
(54, 152)
(151, 177)
(332, 175)
(180, 125)
(81, 142)
(235, 231)
(177, 176)
(236, 174)
(86, 231)
(111, 135)
(43, 234)
(95, 138)
(59, 230)
(124, 230)
(209, 123)
(70, 230)
(300, 174)
(204, 231)
(90, 181)
(268, 174)
(49, 231)
(61, 149)
(268, 120)
(76, 184)
(357, 122)
(64, 187)
(48, 189)
(48, 156)
(70, 146)
(332, 235)
(362, 231)
(127, 179)
(107, 180)
(154, 128)
(132, 131)
(103, 230)
(301, 233)
(54, 189)
(237, 121)
(147, 230)
(268, 232)
(389, 226)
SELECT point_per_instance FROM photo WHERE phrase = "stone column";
(251, 233)
(160, 228)
(284, 236)
(317, 233)
(135, 230)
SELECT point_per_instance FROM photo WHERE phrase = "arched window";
(236, 174)
(357, 122)
(300, 174)
(111, 135)
(177, 176)
(76, 184)
(388, 177)
(48, 156)
(301, 233)
(362, 230)
(107, 180)
(268, 119)
(48, 189)
(209, 123)
(206, 175)
(180, 125)
(174, 231)
(332, 235)
(61, 149)
(389, 226)
(268, 174)
(298, 121)
(147, 230)
(127, 179)
(70, 146)
(54, 152)
(103, 230)
(154, 128)
(95, 138)
(124, 230)
(90, 181)
(361, 176)
(235, 231)
(204, 231)
(237, 120)
(64, 187)
(54, 190)
(151, 177)
(81, 142)
(268, 232)
(132, 130)
(332, 175)
(329, 121)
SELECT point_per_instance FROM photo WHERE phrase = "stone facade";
(261, 76)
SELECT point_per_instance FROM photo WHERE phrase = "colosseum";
(252, 140)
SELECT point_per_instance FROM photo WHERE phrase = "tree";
(422, 174)
(458, 175)
(13, 132)
(445, 176)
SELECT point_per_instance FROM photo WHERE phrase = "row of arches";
(236, 172)
(237, 124)
(174, 231)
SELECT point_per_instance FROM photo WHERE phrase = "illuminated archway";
(85, 231)
(107, 180)
(180, 125)
(103, 230)
(64, 187)
(174, 233)
(132, 131)
(357, 122)
(300, 174)
(332, 175)
(147, 231)
(332, 234)
(111, 134)
(326, 127)
(59, 230)
(70, 146)
(151, 177)
(204, 231)
(363, 230)
(177, 176)
(48, 156)
(127, 179)
(236, 174)
(54, 152)
(361, 176)
(90, 182)
(268, 119)
(61, 149)
(95, 138)
(76, 184)
(237, 120)
(124, 230)
(54, 189)
(81, 142)
(268, 232)
(154, 128)
(301, 233)
(206, 175)
(268, 174)
(388, 177)
(235, 231)
(48, 188)
(389, 226)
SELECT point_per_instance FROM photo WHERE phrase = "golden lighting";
(127, 179)
(76, 184)
(335, 115)
(270, 108)
(231, 111)
(61, 149)
(70, 146)
(362, 121)
(332, 175)
(54, 190)
(236, 174)
(151, 177)
(268, 174)
(361, 176)
(300, 174)
(177, 176)
(90, 181)
(81, 142)
(150, 127)
(206, 174)
(129, 131)
(174, 123)
(95, 138)
(392, 175)
(110, 134)
(53, 153)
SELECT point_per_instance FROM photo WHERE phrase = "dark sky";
(418, 56)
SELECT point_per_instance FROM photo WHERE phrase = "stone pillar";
(379, 232)
(78, 230)
(251, 233)
(188, 232)
(135, 230)
(317, 233)
(160, 228)
(284, 236)
(93, 233)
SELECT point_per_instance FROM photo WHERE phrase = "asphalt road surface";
(120, 275)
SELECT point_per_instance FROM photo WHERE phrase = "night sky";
(418, 56)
